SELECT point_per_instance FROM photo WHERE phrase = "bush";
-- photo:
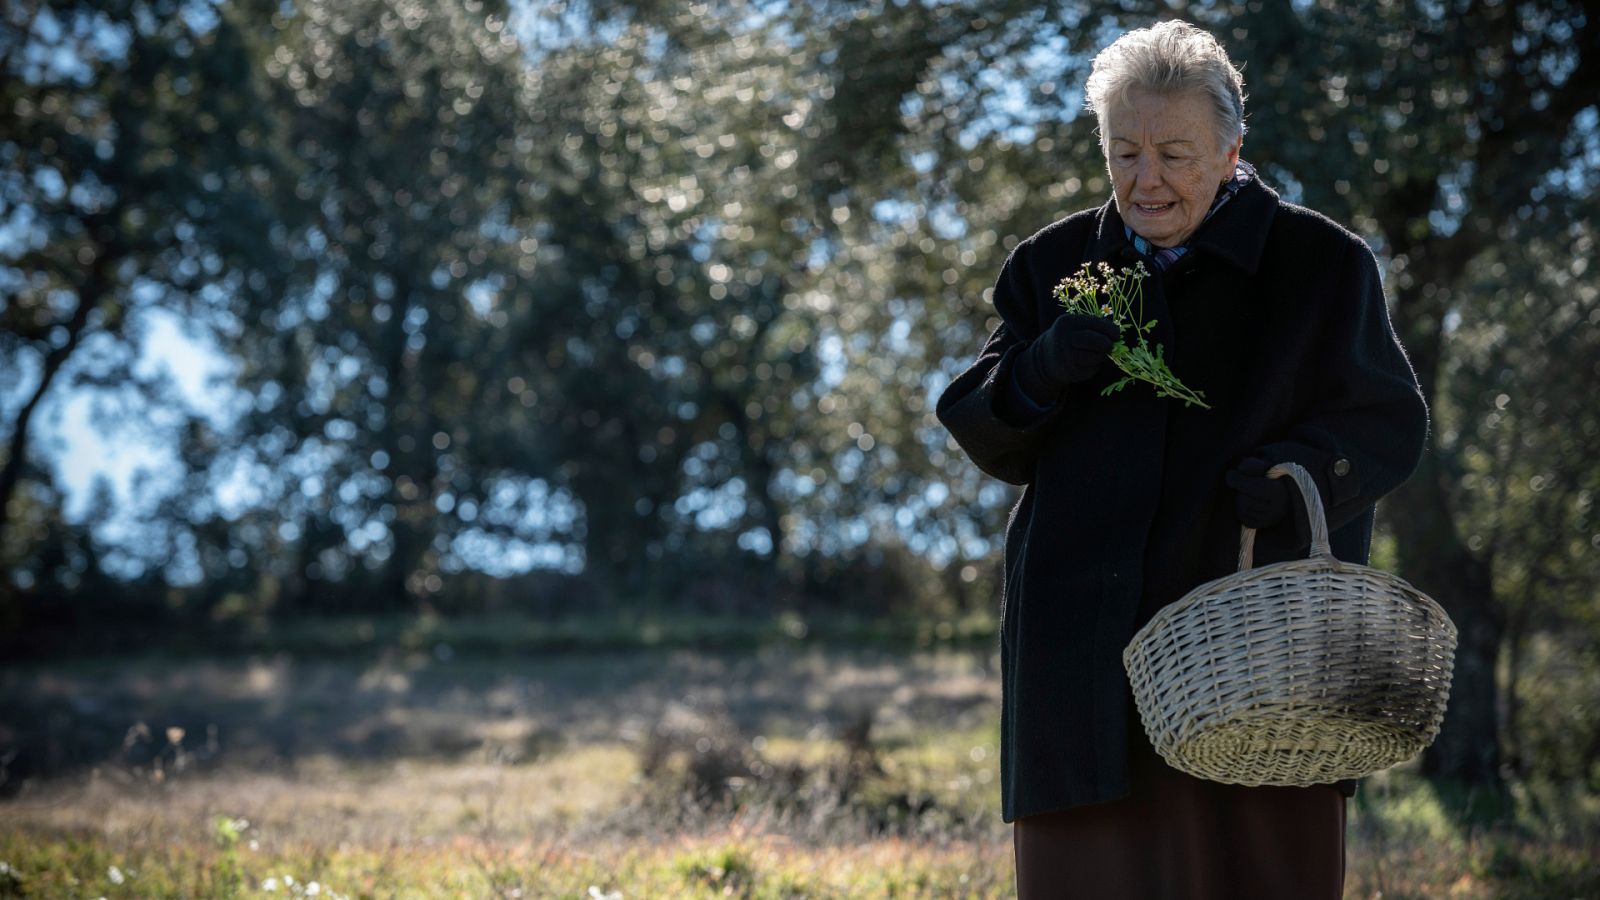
(699, 772)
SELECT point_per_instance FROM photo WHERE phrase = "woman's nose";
(1148, 171)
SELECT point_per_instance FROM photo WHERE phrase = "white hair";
(1170, 58)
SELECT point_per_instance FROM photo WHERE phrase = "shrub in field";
(725, 870)
(1556, 733)
(11, 883)
(697, 770)
(697, 766)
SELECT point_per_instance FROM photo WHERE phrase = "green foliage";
(135, 156)
(723, 871)
(227, 876)
(662, 294)
(1411, 837)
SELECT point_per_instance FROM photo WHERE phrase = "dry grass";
(330, 801)
(718, 865)
(780, 773)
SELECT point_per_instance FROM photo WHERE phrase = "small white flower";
(313, 889)
(270, 885)
(116, 876)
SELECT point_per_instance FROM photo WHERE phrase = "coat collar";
(1237, 233)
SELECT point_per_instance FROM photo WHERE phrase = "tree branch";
(96, 284)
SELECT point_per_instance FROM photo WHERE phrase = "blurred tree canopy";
(547, 306)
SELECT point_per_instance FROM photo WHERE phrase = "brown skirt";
(1181, 837)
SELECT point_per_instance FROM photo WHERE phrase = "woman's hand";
(1261, 502)
(1069, 351)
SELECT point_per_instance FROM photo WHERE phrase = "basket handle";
(1314, 513)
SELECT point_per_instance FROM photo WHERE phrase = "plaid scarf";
(1162, 257)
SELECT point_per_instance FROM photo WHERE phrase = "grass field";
(794, 770)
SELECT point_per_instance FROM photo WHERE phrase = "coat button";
(1341, 467)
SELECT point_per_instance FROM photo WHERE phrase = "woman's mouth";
(1151, 209)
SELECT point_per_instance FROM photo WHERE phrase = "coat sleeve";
(1363, 434)
(976, 409)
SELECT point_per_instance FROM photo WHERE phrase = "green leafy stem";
(1098, 290)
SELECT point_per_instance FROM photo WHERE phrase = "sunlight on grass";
(328, 801)
(776, 773)
(713, 866)
(548, 829)
(1411, 839)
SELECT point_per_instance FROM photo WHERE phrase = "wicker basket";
(1296, 673)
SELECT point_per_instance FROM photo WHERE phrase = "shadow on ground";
(156, 716)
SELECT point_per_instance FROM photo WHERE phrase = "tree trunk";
(760, 475)
(616, 548)
(1468, 748)
(1516, 646)
(412, 460)
(1433, 556)
(756, 451)
(764, 474)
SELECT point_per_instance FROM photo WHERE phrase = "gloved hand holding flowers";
(1069, 351)
(1117, 297)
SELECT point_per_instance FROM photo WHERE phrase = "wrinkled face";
(1164, 162)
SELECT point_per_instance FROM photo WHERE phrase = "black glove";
(1262, 502)
(1069, 351)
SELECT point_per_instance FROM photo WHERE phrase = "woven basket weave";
(1296, 673)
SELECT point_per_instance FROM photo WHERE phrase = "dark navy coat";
(1277, 314)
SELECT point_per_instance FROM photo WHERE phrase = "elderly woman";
(1276, 314)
